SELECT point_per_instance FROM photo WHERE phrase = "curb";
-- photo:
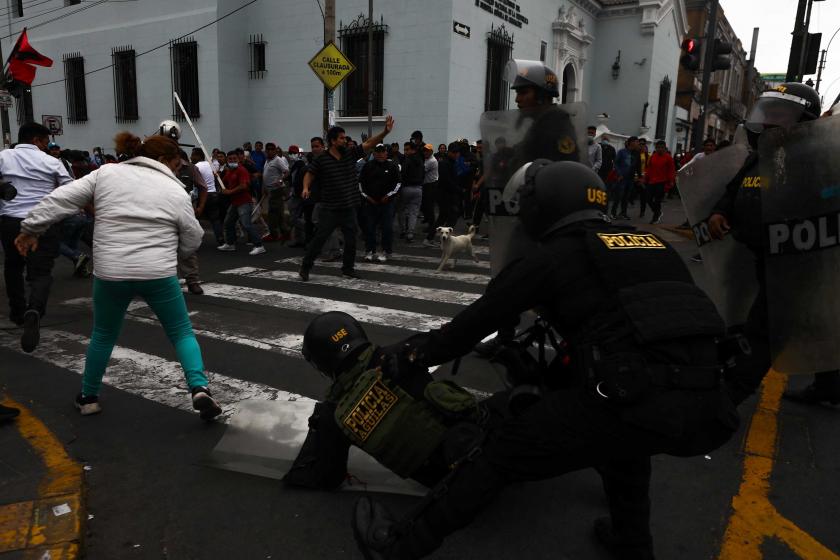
(48, 527)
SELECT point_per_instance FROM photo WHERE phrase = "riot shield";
(263, 439)
(729, 266)
(800, 199)
(510, 140)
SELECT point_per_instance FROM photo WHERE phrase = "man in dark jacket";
(380, 180)
(447, 191)
(413, 172)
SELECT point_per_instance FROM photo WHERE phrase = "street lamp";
(824, 54)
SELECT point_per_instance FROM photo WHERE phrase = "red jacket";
(660, 169)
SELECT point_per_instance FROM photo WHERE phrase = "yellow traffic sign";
(331, 66)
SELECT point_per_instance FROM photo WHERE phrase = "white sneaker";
(369, 256)
(428, 243)
(382, 258)
(226, 247)
(257, 251)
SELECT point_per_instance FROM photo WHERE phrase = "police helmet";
(330, 339)
(170, 129)
(554, 194)
(532, 73)
(784, 105)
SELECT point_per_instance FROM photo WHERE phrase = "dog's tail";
(471, 231)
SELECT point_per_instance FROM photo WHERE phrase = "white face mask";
(233, 165)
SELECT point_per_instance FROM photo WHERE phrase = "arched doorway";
(567, 95)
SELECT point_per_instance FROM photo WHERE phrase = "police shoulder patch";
(619, 241)
(566, 145)
(369, 410)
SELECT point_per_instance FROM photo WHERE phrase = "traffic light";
(722, 59)
(690, 59)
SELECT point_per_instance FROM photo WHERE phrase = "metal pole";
(820, 68)
(800, 71)
(711, 31)
(329, 36)
(795, 57)
(370, 68)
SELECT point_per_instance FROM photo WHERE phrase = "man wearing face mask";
(593, 149)
(739, 212)
(237, 187)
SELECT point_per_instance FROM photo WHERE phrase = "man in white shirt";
(34, 174)
(212, 208)
(709, 147)
(275, 173)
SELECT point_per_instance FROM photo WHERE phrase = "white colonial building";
(438, 64)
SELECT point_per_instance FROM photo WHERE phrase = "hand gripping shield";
(729, 266)
(800, 199)
(512, 139)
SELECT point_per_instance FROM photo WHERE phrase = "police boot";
(824, 389)
(621, 548)
(380, 537)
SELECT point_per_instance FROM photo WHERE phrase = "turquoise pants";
(110, 301)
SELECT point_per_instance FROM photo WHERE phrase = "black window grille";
(354, 44)
(25, 110)
(184, 54)
(125, 84)
(662, 108)
(256, 47)
(543, 49)
(17, 8)
(499, 49)
(74, 84)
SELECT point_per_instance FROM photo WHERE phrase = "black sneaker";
(373, 529)
(31, 331)
(350, 273)
(87, 405)
(304, 274)
(8, 413)
(204, 403)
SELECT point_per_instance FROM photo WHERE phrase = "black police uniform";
(639, 331)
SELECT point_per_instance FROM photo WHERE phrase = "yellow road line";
(42, 525)
(754, 518)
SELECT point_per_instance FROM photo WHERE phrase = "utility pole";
(820, 68)
(370, 68)
(797, 45)
(329, 36)
(708, 62)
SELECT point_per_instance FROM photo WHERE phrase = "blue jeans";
(379, 216)
(111, 299)
(242, 214)
(72, 229)
(412, 196)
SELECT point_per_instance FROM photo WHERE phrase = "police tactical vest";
(383, 420)
(651, 290)
(746, 210)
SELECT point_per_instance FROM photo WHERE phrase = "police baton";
(198, 138)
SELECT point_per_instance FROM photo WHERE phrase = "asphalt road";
(150, 496)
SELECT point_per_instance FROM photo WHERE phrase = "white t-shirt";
(207, 174)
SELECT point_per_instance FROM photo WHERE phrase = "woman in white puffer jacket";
(144, 219)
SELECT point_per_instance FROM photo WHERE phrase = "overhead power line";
(68, 14)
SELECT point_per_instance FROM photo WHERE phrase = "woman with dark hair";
(144, 220)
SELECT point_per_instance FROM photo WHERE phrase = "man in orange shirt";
(660, 171)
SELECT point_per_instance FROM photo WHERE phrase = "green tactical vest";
(387, 423)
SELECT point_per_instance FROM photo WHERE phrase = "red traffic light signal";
(690, 59)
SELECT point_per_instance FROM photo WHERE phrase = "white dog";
(451, 245)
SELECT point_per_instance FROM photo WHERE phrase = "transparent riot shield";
(800, 199)
(263, 438)
(511, 139)
(730, 278)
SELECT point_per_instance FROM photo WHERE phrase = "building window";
(354, 44)
(25, 111)
(499, 49)
(543, 49)
(17, 8)
(662, 108)
(184, 53)
(74, 84)
(256, 47)
(125, 84)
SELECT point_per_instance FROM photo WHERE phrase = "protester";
(237, 188)
(660, 173)
(145, 221)
(380, 182)
(275, 174)
(594, 150)
(212, 206)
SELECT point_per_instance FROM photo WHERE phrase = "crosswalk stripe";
(463, 260)
(480, 279)
(383, 316)
(146, 375)
(364, 285)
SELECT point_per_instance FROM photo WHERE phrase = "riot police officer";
(390, 408)
(645, 379)
(739, 212)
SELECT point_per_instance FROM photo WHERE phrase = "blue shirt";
(259, 159)
(34, 173)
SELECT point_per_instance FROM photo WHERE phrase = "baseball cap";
(429, 147)
(380, 148)
(294, 149)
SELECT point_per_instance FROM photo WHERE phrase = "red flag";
(22, 59)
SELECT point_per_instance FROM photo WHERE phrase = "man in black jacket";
(380, 180)
(413, 172)
(447, 191)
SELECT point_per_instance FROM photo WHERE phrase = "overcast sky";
(775, 18)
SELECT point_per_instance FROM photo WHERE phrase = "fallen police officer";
(645, 371)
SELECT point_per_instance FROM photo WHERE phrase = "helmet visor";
(773, 109)
(519, 73)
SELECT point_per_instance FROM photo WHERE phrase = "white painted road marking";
(480, 279)
(362, 285)
(463, 260)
